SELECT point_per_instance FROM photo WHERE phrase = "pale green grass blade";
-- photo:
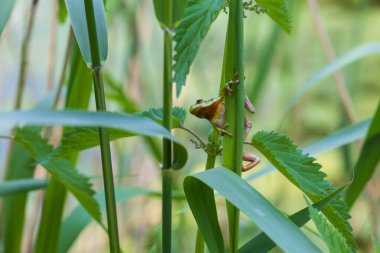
(262, 243)
(355, 54)
(132, 124)
(280, 229)
(368, 160)
(77, 16)
(21, 185)
(6, 7)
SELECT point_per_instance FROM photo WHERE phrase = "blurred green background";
(135, 63)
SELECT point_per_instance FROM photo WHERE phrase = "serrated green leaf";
(278, 10)
(132, 124)
(156, 114)
(6, 7)
(304, 173)
(262, 243)
(199, 193)
(60, 169)
(337, 139)
(368, 160)
(331, 236)
(77, 16)
(198, 18)
(21, 185)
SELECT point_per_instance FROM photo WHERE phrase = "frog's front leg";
(252, 159)
(222, 131)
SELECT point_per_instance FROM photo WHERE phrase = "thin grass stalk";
(338, 76)
(24, 56)
(52, 46)
(19, 163)
(103, 132)
(233, 146)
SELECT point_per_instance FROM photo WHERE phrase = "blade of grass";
(262, 243)
(6, 7)
(21, 185)
(367, 162)
(248, 200)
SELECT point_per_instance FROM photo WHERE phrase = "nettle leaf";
(157, 114)
(304, 172)
(278, 10)
(331, 236)
(83, 138)
(199, 14)
(78, 184)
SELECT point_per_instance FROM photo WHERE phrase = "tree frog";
(214, 110)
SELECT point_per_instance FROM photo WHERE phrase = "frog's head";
(205, 108)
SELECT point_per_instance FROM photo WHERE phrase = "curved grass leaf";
(77, 16)
(368, 160)
(332, 237)
(351, 56)
(21, 185)
(131, 124)
(199, 193)
(6, 7)
(188, 36)
(78, 219)
(337, 139)
(279, 12)
(304, 173)
(262, 243)
(160, 8)
(60, 169)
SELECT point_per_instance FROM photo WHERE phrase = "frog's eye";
(199, 101)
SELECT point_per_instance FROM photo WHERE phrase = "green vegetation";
(74, 180)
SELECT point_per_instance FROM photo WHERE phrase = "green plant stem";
(167, 148)
(103, 132)
(233, 146)
(167, 145)
(24, 56)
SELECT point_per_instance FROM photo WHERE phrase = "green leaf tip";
(304, 173)
(77, 15)
(199, 15)
(278, 10)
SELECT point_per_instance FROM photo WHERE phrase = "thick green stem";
(167, 145)
(233, 146)
(103, 132)
(167, 148)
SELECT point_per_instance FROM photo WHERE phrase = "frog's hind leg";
(252, 159)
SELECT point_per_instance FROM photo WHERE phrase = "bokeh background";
(135, 64)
